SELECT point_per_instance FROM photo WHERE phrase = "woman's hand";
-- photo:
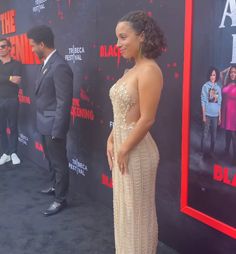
(204, 118)
(122, 160)
(110, 153)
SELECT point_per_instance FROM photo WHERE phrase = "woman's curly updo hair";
(154, 41)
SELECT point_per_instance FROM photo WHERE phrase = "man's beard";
(40, 55)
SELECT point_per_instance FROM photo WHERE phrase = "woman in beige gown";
(132, 153)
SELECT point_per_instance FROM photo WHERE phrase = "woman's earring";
(140, 51)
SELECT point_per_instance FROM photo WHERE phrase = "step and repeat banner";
(85, 36)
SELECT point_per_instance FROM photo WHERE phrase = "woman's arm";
(110, 137)
(224, 75)
(150, 83)
(203, 103)
(110, 150)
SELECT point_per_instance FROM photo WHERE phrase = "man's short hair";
(43, 34)
(7, 41)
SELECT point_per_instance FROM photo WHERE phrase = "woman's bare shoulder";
(151, 70)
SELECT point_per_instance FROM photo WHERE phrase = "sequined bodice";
(122, 102)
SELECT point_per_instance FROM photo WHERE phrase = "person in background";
(53, 93)
(228, 122)
(10, 78)
(211, 99)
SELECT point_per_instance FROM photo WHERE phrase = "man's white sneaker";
(15, 159)
(4, 158)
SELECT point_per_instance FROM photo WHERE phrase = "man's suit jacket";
(53, 92)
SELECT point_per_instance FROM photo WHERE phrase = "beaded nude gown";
(135, 221)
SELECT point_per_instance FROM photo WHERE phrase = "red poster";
(208, 187)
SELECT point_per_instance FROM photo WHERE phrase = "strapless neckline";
(122, 102)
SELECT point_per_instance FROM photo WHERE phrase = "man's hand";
(15, 79)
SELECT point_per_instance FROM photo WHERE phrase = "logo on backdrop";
(38, 146)
(75, 54)
(106, 181)
(224, 175)
(78, 167)
(22, 98)
(21, 50)
(8, 24)
(77, 111)
(110, 51)
(23, 139)
(39, 5)
(230, 12)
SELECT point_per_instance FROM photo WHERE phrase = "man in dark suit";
(53, 92)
